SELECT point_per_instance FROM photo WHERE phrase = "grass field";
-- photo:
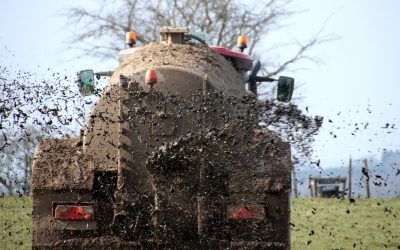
(339, 224)
(316, 223)
(15, 223)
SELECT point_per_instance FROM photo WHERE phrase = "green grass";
(336, 224)
(15, 223)
(317, 223)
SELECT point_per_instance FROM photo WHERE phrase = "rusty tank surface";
(171, 157)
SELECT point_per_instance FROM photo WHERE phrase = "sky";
(358, 79)
(356, 83)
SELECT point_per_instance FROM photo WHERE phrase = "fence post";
(367, 179)
(350, 166)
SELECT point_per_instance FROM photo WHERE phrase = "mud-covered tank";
(177, 163)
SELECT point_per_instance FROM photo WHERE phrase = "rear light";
(74, 212)
(246, 213)
(242, 42)
(150, 77)
(130, 38)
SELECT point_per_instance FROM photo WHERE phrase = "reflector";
(74, 212)
(150, 77)
(245, 212)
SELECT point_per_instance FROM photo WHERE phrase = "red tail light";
(244, 212)
(150, 77)
(74, 212)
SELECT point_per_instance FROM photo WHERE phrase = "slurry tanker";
(172, 156)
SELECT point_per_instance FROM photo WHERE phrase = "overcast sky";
(357, 83)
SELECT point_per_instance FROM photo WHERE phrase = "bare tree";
(98, 32)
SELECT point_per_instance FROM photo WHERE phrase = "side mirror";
(86, 82)
(285, 88)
